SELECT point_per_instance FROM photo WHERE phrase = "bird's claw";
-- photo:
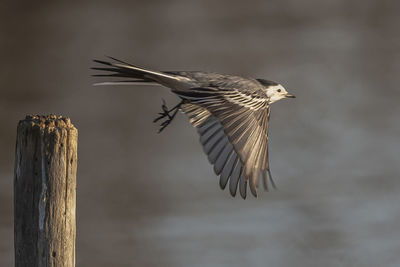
(166, 114)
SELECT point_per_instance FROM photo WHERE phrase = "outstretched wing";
(233, 128)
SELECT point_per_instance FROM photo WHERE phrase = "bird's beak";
(289, 96)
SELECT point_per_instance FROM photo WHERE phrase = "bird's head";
(275, 91)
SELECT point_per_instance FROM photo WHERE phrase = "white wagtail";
(231, 114)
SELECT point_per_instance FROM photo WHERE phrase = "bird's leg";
(166, 114)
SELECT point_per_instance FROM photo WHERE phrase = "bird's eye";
(279, 90)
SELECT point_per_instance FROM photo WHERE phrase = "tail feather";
(121, 69)
(120, 61)
(129, 82)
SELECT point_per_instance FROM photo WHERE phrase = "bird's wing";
(233, 128)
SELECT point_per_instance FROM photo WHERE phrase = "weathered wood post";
(44, 192)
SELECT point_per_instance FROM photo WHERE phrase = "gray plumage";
(231, 114)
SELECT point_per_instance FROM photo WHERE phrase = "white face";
(277, 92)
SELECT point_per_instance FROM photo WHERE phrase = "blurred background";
(148, 199)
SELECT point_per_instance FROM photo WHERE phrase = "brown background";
(152, 200)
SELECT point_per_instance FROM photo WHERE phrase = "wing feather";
(242, 185)
(233, 128)
(217, 150)
(222, 158)
(227, 170)
(234, 180)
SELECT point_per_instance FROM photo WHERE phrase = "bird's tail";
(132, 74)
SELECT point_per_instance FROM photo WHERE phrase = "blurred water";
(148, 200)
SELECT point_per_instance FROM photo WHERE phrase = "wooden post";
(44, 192)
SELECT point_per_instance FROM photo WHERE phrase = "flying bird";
(231, 114)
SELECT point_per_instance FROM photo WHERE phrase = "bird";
(231, 114)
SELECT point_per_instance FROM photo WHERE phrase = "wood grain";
(45, 192)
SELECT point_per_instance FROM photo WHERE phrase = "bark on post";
(44, 192)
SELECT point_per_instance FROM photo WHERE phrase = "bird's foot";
(167, 115)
